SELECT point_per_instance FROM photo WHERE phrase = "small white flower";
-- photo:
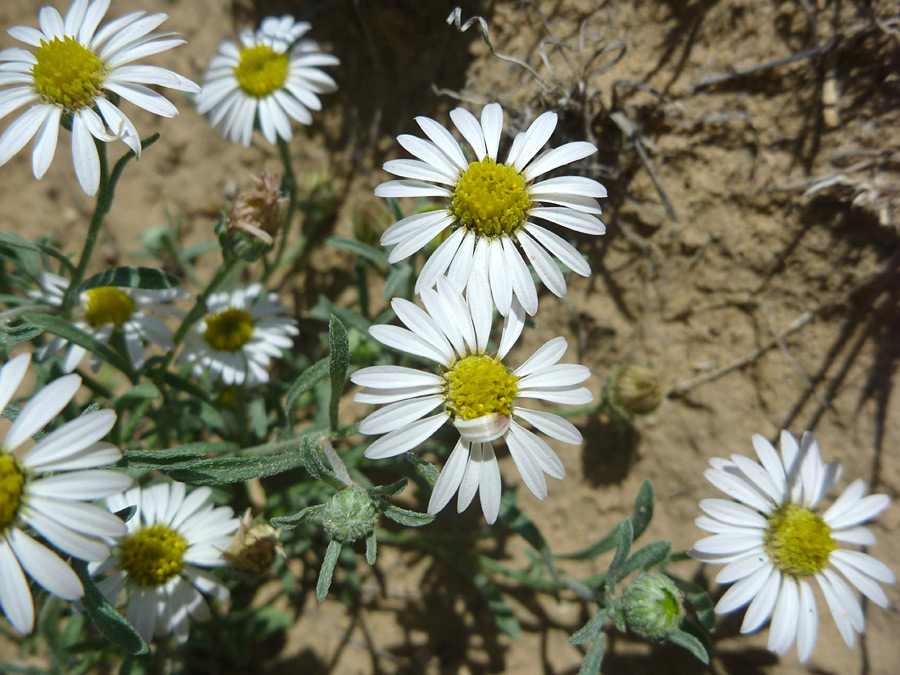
(774, 543)
(492, 206)
(243, 330)
(272, 76)
(475, 391)
(71, 71)
(107, 309)
(159, 562)
(54, 506)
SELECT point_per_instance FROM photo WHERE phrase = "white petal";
(770, 461)
(733, 513)
(410, 226)
(11, 375)
(143, 97)
(759, 477)
(862, 511)
(763, 604)
(444, 140)
(419, 322)
(537, 447)
(471, 130)
(548, 354)
(468, 486)
(492, 125)
(45, 567)
(573, 220)
(559, 375)
(501, 284)
(566, 395)
(428, 152)
(553, 425)
(846, 502)
(865, 564)
(419, 170)
(552, 159)
(841, 609)
(489, 489)
(21, 131)
(84, 155)
(738, 489)
(89, 484)
(543, 264)
(15, 595)
(528, 467)
(808, 623)
(400, 414)
(483, 429)
(43, 407)
(387, 377)
(726, 544)
(69, 439)
(406, 341)
(410, 188)
(513, 323)
(742, 567)
(522, 283)
(864, 584)
(436, 266)
(463, 260)
(861, 536)
(73, 543)
(45, 145)
(744, 590)
(786, 618)
(481, 309)
(568, 185)
(567, 254)
(535, 137)
(449, 479)
(401, 440)
(80, 517)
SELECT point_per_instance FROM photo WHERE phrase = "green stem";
(288, 187)
(197, 311)
(105, 193)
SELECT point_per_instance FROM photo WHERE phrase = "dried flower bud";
(654, 605)
(349, 514)
(370, 219)
(255, 212)
(634, 390)
(254, 546)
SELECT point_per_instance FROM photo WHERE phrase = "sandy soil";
(735, 209)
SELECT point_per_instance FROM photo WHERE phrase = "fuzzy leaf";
(327, 571)
(504, 618)
(339, 342)
(623, 547)
(408, 518)
(649, 556)
(689, 642)
(131, 277)
(307, 380)
(426, 468)
(591, 629)
(108, 621)
(62, 328)
(290, 522)
(594, 657)
(363, 250)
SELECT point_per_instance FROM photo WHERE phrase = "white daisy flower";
(491, 207)
(775, 543)
(475, 391)
(55, 507)
(159, 564)
(70, 74)
(106, 309)
(272, 76)
(243, 330)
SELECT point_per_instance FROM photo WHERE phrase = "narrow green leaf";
(397, 277)
(689, 642)
(141, 391)
(391, 490)
(327, 571)
(200, 449)
(62, 328)
(591, 629)
(643, 508)
(504, 618)
(408, 518)
(513, 518)
(425, 467)
(307, 380)
(131, 277)
(339, 342)
(316, 468)
(221, 470)
(258, 417)
(17, 241)
(394, 206)
(700, 601)
(623, 548)
(290, 522)
(108, 621)
(649, 556)
(371, 548)
(12, 337)
(593, 660)
(367, 251)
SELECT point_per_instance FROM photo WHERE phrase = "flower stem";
(289, 188)
(105, 194)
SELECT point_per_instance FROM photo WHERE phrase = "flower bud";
(370, 219)
(255, 212)
(653, 605)
(349, 514)
(254, 546)
(634, 390)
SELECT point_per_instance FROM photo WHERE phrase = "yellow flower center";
(12, 484)
(67, 73)
(153, 555)
(261, 71)
(479, 385)
(490, 199)
(798, 541)
(229, 330)
(108, 304)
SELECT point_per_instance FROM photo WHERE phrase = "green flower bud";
(349, 515)
(654, 605)
(634, 390)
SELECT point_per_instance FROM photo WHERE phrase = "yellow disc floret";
(798, 541)
(108, 304)
(479, 385)
(261, 71)
(153, 555)
(67, 73)
(490, 199)
(229, 330)
(12, 484)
